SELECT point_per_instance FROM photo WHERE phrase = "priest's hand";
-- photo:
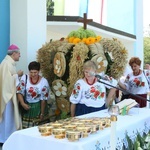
(20, 73)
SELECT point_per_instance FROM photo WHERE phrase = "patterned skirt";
(29, 117)
(82, 109)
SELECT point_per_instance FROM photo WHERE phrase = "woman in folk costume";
(9, 114)
(35, 90)
(137, 82)
(88, 94)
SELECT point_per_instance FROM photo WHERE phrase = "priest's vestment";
(9, 113)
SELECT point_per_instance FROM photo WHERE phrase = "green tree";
(146, 50)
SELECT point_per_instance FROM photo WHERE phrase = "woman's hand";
(121, 85)
(43, 104)
(41, 116)
(73, 107)
(108, 102)
(25, 106)
(21, 101)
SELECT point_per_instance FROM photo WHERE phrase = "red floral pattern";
(147, 74)
(93, 93)
(31, 90)
(34, 92)
(138, 82)
(92, 90)
(76, 90)
(96, 92)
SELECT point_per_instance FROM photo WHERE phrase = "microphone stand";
(137, 96)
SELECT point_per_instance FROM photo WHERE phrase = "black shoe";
(1, 144)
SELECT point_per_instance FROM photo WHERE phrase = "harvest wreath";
(62, 60)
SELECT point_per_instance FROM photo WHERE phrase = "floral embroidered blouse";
(90, 95)
(34, 92)
(138, 84)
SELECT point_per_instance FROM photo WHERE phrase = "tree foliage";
(146, 50)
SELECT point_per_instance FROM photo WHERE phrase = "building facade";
(24, 22)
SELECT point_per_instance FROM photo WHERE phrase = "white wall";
(27, 28)
(71, 8)
(93, 13)
(139, 30)
(18, 29)
(120, 15)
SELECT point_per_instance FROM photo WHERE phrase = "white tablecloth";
(30, 139)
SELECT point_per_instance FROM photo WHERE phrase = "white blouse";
(34, 92)
(91, 95)
(138, 84)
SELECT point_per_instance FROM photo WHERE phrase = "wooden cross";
(85, 20)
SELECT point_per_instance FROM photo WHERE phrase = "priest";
(9, 114)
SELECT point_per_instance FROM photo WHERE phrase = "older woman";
(88, 94)
(35, 91)
(136, 82)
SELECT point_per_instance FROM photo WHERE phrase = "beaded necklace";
(90, 83)
(137, 73)
(35, 81)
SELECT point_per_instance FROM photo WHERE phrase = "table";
(138, 119)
